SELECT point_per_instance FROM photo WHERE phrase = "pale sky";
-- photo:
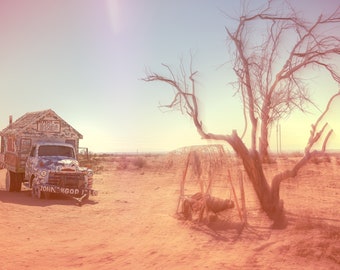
(84, 59)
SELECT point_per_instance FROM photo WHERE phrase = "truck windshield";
(55, 150)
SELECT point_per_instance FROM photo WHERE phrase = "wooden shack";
(41, 126)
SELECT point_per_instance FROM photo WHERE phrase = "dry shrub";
(325, 242)
(131, 162)
(296, 154)
(320, 159)
(337, 160)
(309, 223)
(92, 162)
(122, 165)
(318, 248)
(139, 162)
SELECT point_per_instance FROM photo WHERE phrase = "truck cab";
(53, 168)
(44, 156)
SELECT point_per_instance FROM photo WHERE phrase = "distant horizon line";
(158, 152)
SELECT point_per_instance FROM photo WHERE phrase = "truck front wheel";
(10, 183)
(19, 177)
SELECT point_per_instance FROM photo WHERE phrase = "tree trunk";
(269, 198)
(263, 141)
(263, 145)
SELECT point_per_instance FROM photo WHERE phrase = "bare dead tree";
(270, 69)
(267, 95)
(185, 99)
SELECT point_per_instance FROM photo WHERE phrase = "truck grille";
(67, 179)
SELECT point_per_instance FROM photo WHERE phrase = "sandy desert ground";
(132, 224)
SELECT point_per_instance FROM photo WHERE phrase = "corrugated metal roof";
(28, 119)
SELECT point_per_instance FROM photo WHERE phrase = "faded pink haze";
(145, 206)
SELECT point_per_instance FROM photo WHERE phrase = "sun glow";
(113, 9)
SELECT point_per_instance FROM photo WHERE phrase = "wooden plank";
(235, 197)
(243, 200)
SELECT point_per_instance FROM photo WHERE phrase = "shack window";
(10, 144)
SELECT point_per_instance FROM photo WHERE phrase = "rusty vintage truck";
(40, 150)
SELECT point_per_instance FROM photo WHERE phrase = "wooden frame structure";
(205, 162)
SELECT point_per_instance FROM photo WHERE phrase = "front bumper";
(75, 192)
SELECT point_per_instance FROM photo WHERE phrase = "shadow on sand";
(229, 231)
(25, 198)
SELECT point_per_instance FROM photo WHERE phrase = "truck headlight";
(43, 173)
(89, 173)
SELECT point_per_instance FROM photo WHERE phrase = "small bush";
(122, 165)
(139, 162)
(320, 159)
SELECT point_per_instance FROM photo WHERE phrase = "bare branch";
(315, 135)
(269, 91)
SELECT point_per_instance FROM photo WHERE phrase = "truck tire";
(10, 184)
(18, 177)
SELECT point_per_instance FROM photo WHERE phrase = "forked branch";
(315, 135)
